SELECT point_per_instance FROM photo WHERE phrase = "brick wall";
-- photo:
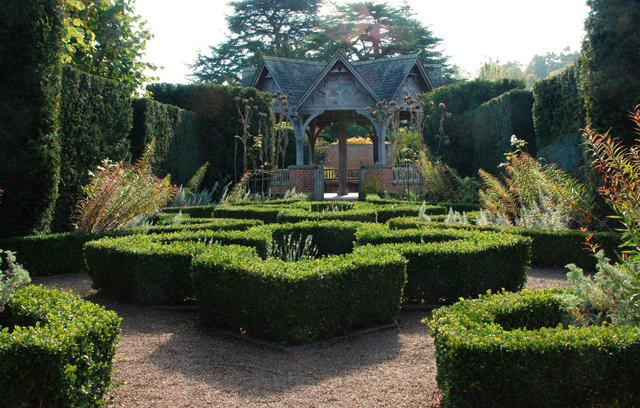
(302, 179)
(355, 153)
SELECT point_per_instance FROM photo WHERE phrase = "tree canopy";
(258, 27)
(294, 29)
(105, 38)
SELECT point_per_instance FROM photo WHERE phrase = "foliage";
(105, 38)
(461, 100)
(295, 251)
(422, 213)
(610, 296)
(548, 247)
(542, 66)
(445, 264)
(30, 46)
(558, 116)
(95, 117)
(367, 30)
(258, 27)
(118, 193)
(454, 217)
(55, 349)
(533, 187)
(218, 122)
(510, 349)
(443, 183)
(12, 278)
(610, 78)
(300, 301)
(493, 124)
(177, 137)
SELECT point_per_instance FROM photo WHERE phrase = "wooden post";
(342, 154)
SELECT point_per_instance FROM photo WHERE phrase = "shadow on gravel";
(200, 354)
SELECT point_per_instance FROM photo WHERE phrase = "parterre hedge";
(55, 350)
(301, 301)
(360, 213)
(445, 264)
(511, 350)
(54, 254)
(548, 247)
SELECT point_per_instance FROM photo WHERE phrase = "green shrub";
(155, 268)
(176, 134)
(548, 247)
(61, 253)
(267, 214)
(301, 301)
(510, 350)
(55, 350)
(205, 211)
(445, 264)
(389, 211)
(30, 36)
(495, 122)
(358, 213)
(12, 278)
(330, 237)
(95, 118)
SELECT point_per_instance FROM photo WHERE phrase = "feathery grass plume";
(118, 194)
(11, 279)
(422, 216)
(532, 188)
(454, 217)
(295, 251)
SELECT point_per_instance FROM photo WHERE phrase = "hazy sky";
(472, 30)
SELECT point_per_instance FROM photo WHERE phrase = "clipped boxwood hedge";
(55, 349)
(52, 254)
(266, 214)
(549, 248)
(301, 301)
(203, 211)
(445, 264)
(155, 268)
(510, 350)
(329, 237)
(357, 213)
(387, 212)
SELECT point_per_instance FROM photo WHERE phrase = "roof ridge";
(385, 59)
(297, 61)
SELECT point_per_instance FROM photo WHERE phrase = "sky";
(472, 31)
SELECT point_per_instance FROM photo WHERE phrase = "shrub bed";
(445, 264)
(52, 254)
(510, 350)
(155, 268)
(301, 301)
(55, 349)
(358, 213)
(548, 248)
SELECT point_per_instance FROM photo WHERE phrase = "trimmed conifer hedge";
(95, 118)
(30, 44)
(55, 350)
(511, 350)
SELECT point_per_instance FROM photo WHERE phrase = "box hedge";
(300, 301)
(203, 211)
(53, 254)
(55, 350)
(510, 350)
(329, 237)
(266, 214)
(548, 247)
(445, 264)
(357, 213)
(155, 268)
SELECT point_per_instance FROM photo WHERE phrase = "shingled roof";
(383, 75)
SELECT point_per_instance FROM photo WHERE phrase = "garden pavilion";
(339, 92)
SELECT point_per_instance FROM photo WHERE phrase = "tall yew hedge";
(175, 131)
(218, 121)
(495, 122)
(95, 118)
(30, 45)
(461, 100)
(558, 117)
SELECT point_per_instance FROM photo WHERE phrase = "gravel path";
(168, 359)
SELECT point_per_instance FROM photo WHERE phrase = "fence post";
(318, 183)
(362, 196)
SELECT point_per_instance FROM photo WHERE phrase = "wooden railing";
(332, 174)
(406, 175)
(279, 177)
